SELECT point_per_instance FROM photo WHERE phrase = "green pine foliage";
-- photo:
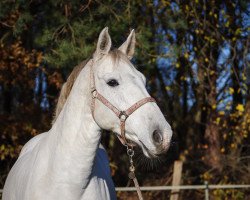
(182, 48)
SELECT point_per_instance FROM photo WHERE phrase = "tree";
(195, 55)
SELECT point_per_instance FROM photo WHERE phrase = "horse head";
(121, 85)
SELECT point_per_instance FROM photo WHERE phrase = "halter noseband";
(122, 115)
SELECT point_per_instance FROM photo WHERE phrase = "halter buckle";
(94, 93)
(123, 116)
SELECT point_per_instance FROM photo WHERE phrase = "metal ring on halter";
(123, 116)
(94, 93)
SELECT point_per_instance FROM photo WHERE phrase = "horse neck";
(75, 136)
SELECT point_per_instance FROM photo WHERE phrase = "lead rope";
(131, 173)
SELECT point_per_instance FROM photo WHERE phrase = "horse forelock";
(117, 55)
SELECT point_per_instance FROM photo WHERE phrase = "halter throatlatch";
(122, 115)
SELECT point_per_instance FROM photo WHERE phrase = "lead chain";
(131, 173)
(130, 153)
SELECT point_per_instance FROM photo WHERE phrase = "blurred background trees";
(195, 55)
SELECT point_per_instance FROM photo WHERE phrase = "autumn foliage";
(195, 55)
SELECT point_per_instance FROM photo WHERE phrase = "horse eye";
(113, 83)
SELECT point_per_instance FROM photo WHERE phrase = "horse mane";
(67, 86)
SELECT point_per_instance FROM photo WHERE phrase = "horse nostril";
(157, 137)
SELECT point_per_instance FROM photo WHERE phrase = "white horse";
(66, 162)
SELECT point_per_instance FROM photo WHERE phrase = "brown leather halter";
(122, 115)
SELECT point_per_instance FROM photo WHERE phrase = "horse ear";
(128, 47)
(103, 44)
